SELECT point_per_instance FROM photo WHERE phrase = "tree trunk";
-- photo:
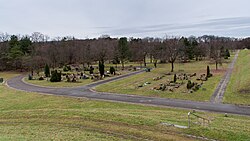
(122, 64)
(144, 60)
(216, 63)
(172, 66)
(151, 58)
(155, 63)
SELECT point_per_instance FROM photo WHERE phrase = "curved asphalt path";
(86, 92)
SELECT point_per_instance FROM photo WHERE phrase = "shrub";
(1, 80)
(41, 78)
(134, 68)
(101, 69)
(66, 68)
(227, 53)
(190, 84)
(55, 77)
(147, 69)
(91, 70)
(30, 77)
(112, 70)
(47, 70)
(196, 88)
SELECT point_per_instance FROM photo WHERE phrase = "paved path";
(217, 97)
(85, 92)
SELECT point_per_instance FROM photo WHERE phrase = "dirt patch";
(245, 91)
(219, 71)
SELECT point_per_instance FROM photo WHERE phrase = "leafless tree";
(215, 52)
(172, 50)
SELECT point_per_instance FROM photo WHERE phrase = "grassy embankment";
(238, 90)
(30, 116)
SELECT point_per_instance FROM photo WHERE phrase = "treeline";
(34, 51)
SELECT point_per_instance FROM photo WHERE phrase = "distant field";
(238, 90)
(129, 85)
(31, 116)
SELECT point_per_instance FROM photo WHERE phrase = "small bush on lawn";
(91, 70)
(47, 70)
(1, 80)
(41, 78)
(30, 77)
(190, 84)
(56, 76)
(112, 70)
(66, 68)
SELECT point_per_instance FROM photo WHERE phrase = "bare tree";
(215, 52)
(172, 50)
(37, 37)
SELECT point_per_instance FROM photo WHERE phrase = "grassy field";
(31, 116)
(130, 85)
(238, 90)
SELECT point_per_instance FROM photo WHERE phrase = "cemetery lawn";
(130, 85)
(238, 90)
(32, 116)
(64, 83)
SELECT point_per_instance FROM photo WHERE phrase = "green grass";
(31, 116)
(238, 89)
(130, 85)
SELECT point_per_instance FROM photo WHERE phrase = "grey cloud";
(212, 26)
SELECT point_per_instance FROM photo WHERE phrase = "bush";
(101, 69)
(30, 77)
(55, 77)
(47, 70)
(112, 70)
(227, 54)
(196, 88)
(1, 80)
(41, 78)
(147, 69)
(190, 84)
(66, 68)
(91, 70)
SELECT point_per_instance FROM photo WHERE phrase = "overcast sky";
(139, 18)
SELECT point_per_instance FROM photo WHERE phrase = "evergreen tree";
(25, 44)
(112, 70)
(47, 70)
(101, 68)
(13, 41)
(123, 50)
(227, 53)
(15, 54)
(56, 76)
